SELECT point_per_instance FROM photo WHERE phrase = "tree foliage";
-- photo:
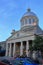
(38, 43)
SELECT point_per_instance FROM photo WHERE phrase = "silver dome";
(29, 13)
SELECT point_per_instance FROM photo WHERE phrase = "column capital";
(27, 40)
(21, 41)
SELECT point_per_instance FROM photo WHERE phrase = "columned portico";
(18, 48)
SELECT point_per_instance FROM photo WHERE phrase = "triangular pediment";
(19, 34)
(25, 32)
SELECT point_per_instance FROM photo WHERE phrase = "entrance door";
(18, 49)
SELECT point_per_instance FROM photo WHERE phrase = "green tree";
(38, 43)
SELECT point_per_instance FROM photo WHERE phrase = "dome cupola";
(29, 19)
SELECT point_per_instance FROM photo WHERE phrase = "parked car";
(1, 63)
(24, 61)
(6, 62)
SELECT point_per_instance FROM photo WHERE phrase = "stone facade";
(19, 42)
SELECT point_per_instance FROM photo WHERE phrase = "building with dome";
(20, 41)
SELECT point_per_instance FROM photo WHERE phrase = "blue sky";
(11, 12)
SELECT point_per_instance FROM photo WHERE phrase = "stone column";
(10, 50)
(27, 48)
(6, 49)
(14, 49)
(21, 49)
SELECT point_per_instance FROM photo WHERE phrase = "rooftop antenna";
(28, 6)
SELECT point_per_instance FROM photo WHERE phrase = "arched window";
(25, 21)
(29, 21)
